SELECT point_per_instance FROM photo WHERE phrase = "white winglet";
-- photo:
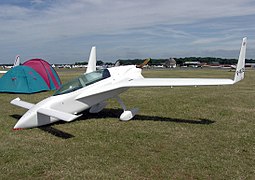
(240, 68)
(21, 103)
(92, 60)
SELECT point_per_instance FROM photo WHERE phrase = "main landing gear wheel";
(127, 114)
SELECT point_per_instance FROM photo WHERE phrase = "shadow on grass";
(115, 113)
(16, 116)
(56, 132)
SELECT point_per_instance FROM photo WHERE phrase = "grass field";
(179, 133)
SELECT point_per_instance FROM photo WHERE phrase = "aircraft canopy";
(83, 80)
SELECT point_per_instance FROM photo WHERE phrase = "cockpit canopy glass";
(82, 81)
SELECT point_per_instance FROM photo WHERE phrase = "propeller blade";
(143, 64)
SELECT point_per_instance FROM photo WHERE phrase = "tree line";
(181, 61)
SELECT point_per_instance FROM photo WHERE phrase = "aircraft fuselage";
(69, 103)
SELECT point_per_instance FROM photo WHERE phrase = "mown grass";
(179, 133)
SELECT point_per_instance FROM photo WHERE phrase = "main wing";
(161, 82)
(157, 82)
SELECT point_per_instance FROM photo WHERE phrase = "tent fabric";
(49, 75)
(22, 79)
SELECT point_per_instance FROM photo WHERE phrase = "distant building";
(192, 64)
(252, 65)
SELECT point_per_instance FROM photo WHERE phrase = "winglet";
(92, 60)
(240, 68)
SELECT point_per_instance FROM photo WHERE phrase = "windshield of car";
(82, 81)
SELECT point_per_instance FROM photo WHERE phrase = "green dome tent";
(22, 79)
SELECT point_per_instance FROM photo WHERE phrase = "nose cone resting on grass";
(45, 112)
(33, 117)
(92, 89)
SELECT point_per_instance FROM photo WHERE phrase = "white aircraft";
(16, 63)
(92, 89)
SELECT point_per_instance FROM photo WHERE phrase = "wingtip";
(16, 99)
(244, 41)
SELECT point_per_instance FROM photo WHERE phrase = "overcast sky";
(63, 31)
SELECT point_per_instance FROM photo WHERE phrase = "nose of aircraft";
(28, 120)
